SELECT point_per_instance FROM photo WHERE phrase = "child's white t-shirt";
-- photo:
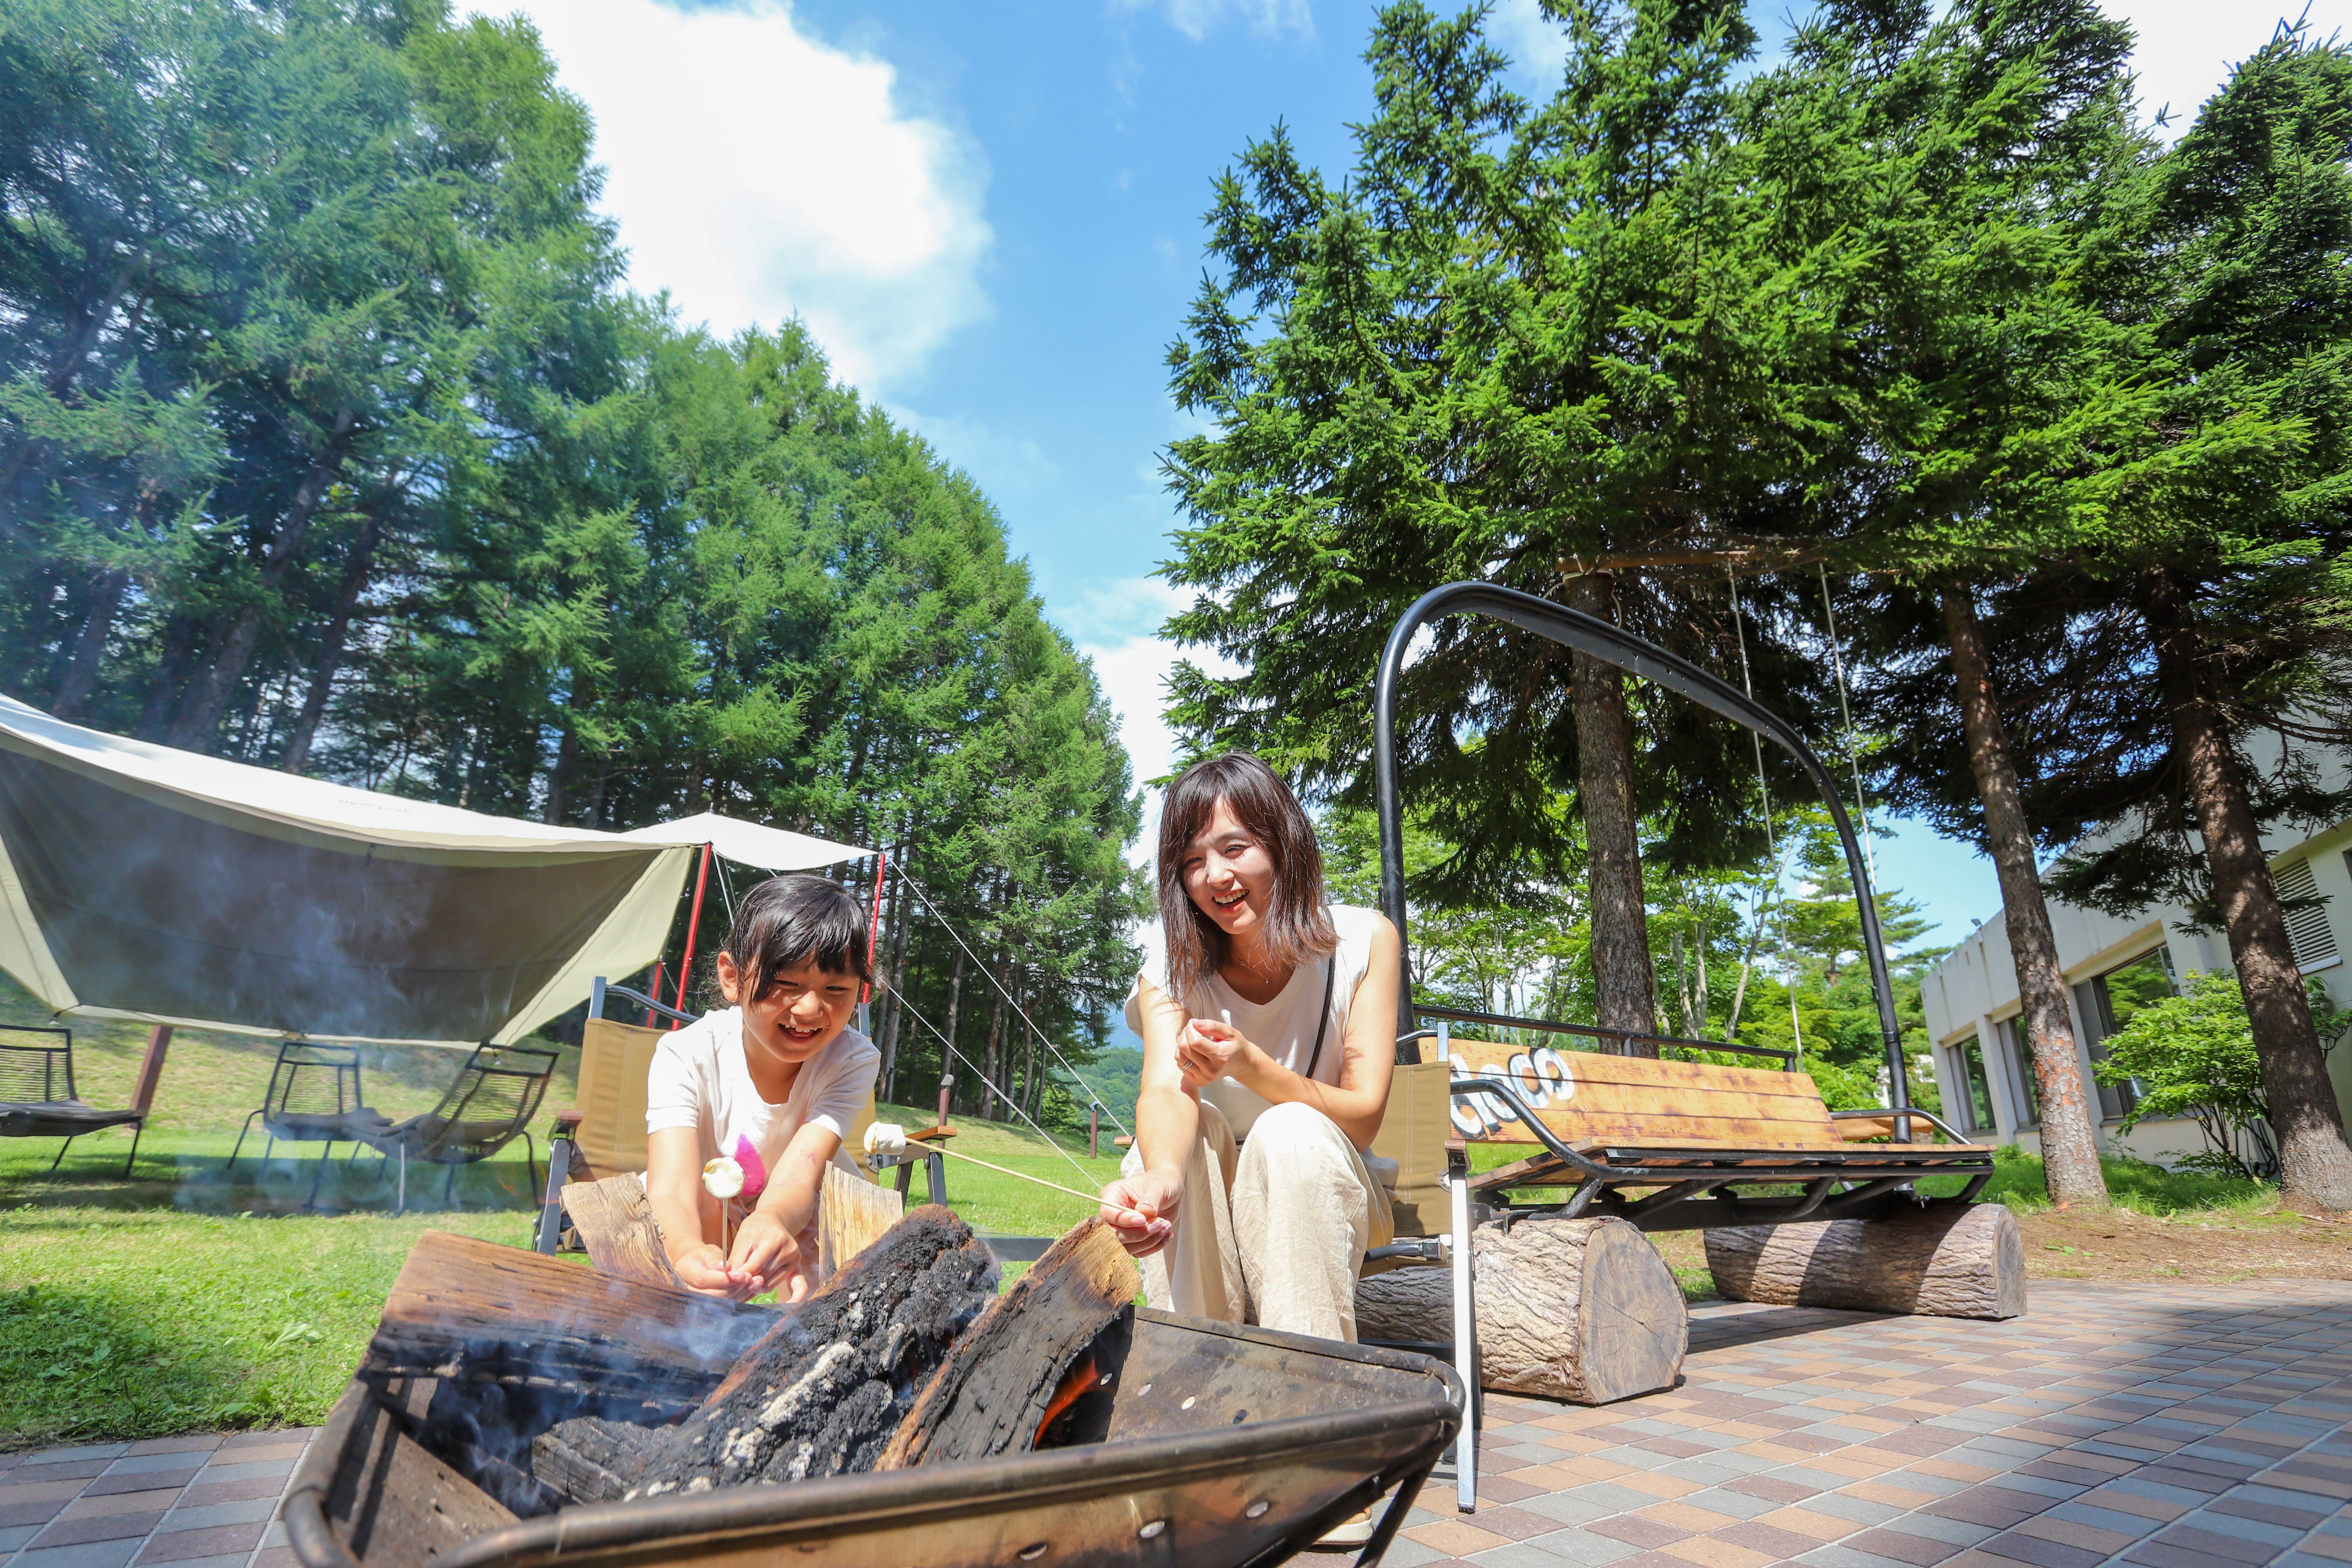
(700, 1079)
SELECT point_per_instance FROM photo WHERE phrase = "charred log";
(1028, 1360)
(820, 1394)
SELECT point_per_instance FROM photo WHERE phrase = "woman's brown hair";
(1298, 929)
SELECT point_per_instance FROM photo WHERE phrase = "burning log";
(820, 1394)
(1028, 1360)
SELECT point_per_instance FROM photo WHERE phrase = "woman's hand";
(1211, 1048)
(1141, 1210)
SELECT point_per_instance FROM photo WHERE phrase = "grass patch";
(2136, 1184)
(191, 1298)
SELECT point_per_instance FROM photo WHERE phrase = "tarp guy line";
(967, 1061)
(1033, 1029)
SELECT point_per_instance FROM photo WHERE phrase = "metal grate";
(2308, 930)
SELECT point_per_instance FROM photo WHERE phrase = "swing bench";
(1660, 1144)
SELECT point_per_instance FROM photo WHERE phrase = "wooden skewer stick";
(883, 1137)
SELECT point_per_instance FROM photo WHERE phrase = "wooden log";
(616, 1224)
(1011, 1374)
(852, 1215)
(824, 1390)
(396, 1504)
(1947, 1260)
(507, 1313)
(1582, 1309)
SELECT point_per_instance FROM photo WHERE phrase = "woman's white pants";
(1270, 1230)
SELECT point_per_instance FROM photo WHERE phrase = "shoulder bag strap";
(1323, 1023)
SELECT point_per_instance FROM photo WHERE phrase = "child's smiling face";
(799, 1013)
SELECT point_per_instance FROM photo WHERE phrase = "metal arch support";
(1598, 639)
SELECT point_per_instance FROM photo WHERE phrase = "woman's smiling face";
(1228, 874)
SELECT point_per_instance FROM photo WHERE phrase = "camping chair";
(295, 1110)
(32, 1075)
(491, 1105)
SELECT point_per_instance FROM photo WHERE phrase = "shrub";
(2193, 1056)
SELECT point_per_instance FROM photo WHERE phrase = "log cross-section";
(999, 1386)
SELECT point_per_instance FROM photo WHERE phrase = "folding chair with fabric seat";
(314, 1096)
(38, 1098)
(496, 1094)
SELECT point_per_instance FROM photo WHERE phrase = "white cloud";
(1196, 19)
(2186, 47)
(1117, 626)
(757, 174)
(1538, 45)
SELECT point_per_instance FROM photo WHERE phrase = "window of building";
(2308, 930)
(2020, 1060)
(1976, 1090)
(2107, 1002)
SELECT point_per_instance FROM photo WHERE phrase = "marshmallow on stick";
(722, 1178)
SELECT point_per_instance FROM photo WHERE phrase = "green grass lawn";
(193, 1298)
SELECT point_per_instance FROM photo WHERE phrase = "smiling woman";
(1266, 1018)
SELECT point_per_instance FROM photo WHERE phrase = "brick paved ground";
(194, 1503)
(2189, 1427)
(2170, 1426)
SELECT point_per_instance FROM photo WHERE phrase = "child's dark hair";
(787, 921)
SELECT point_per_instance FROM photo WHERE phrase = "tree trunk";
(2070, 1149)
(2315, 1166)
(208, 694)
(993, 1056)
(1624, 982)
(356, 573)
(955, 1004)
(1568, 1309)
(1961, 1260)
(90, 644)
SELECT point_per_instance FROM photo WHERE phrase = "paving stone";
(70, 1456)
(91, 1554)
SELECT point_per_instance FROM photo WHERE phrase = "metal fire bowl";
(1224, 1445)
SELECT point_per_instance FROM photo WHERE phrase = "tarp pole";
(693, 926)
(151, 1070)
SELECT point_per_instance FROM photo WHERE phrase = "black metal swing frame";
(1694, 1186)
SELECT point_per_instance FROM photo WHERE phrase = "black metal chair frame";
(427, 1133)
(65, 1117)
(349, 1122)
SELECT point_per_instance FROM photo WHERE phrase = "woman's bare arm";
(1167, 1123)
(1359, 1100)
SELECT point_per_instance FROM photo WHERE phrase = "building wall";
(1973, 990)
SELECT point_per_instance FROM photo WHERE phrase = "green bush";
(2192, 1055)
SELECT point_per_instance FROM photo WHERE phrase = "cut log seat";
(1944, 1261)
(1582, 1309)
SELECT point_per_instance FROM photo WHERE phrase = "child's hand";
(765, 1253)
(704, 1269)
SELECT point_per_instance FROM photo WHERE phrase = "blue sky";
(989, 215)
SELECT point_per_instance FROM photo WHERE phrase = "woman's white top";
(1284, 1028)
(700, 1078)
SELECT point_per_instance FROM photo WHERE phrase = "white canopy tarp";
(139, 881)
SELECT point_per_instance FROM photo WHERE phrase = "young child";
(773, 1081)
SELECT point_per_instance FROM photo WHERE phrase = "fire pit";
(1200, 1443)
